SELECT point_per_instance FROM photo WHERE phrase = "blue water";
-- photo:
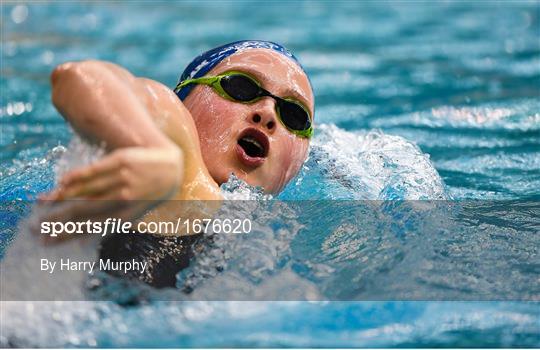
(414, 101)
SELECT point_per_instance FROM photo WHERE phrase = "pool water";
(429, 101)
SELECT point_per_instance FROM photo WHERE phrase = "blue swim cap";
(203, 63)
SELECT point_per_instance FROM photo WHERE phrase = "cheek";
(292, 154)
(213, 120)
(217, 121)
(297, 157)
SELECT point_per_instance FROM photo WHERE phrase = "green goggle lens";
(240, 87)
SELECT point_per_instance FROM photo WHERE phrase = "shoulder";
(157, 94)
(168, 112)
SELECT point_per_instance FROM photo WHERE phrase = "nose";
(265, 114)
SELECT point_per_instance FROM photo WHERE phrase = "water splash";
(366, 166)
(253, 261)
(237, 189)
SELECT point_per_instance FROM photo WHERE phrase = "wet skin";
(160, 148)
(137, 119)
(221, 122)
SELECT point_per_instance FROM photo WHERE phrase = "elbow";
(61, 71)
(59, 80)
(68, 77)
(71, 69)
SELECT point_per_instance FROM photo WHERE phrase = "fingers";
(51, 196)
(90, 180)
(92, 187)
(125, 174)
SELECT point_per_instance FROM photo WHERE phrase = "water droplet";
(18, 108)
(58, 151)
(19, 13)
(47, 57)
(73, 339)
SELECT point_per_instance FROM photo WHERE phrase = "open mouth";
(252, 147)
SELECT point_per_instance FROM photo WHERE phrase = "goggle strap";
(201, 80)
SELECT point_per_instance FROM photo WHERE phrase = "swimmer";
(244, 108)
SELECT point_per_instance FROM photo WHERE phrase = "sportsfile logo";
(110, 225)
(114, 225)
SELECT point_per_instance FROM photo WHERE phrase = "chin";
(221, 175)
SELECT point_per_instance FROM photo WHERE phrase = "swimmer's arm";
(101, 104)
(100, 101)
(175, 121)
(151, 138)
(106, 103)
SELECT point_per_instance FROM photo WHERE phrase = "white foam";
(368, 166)
(79, 153)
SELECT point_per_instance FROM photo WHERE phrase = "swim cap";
(203, 63)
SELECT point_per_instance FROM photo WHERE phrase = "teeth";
(253, 142)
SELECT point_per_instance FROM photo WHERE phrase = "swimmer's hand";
(125, 184)
(133, 173)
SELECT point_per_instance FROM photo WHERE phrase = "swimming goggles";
(240, 87)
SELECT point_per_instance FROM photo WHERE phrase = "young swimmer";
(251, 115)
(244, 108)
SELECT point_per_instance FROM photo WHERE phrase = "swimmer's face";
(229, 130)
